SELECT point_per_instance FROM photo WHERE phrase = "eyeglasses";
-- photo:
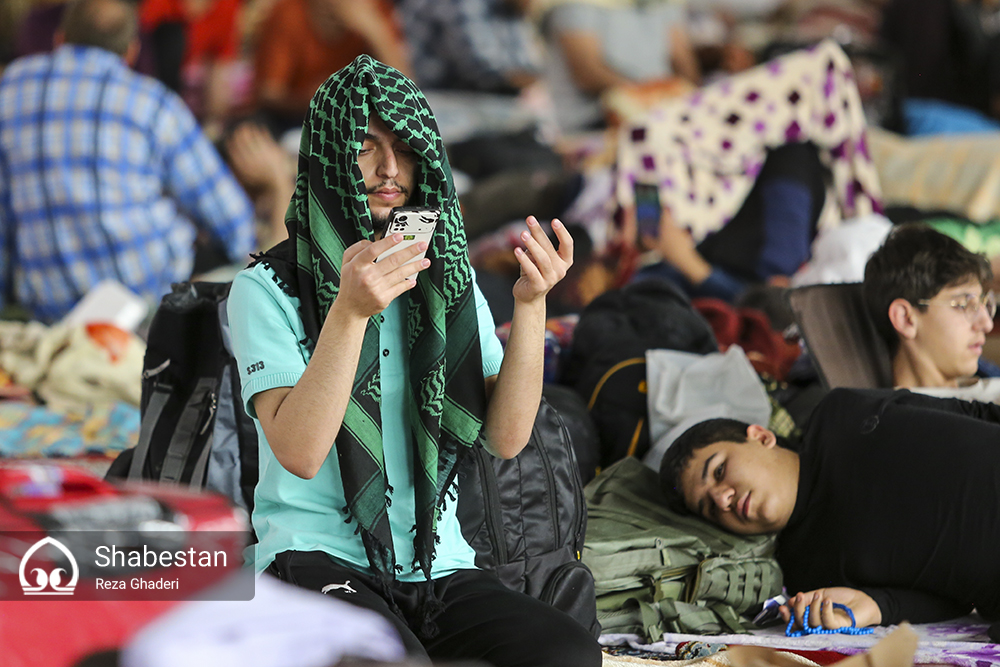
(970, 304)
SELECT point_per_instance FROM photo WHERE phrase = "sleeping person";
(889, 504)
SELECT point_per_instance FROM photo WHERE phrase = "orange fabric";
(291, 56)
(211, 36)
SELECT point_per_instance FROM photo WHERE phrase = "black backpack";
(607, 361)
(194, 430)
(526, 517)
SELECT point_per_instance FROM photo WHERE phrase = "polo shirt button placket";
(385, 353)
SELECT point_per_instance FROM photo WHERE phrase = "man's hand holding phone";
(367, 286)
(415, 223)
(375, 273)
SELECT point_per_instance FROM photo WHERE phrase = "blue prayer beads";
(852, 629)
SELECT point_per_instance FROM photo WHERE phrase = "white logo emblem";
(49, 583)
(346, 587)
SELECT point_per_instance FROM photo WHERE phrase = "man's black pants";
(481, 618)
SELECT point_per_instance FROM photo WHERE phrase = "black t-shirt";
(899, 496)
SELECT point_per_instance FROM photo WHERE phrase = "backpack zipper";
(213, 404)
(494, 525)
(579, 512)
(550, 479)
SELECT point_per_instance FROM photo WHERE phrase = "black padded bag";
(583, 434)
(194, 430)
(526, 517)
(607, 361)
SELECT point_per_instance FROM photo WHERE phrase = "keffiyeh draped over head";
(329, 212)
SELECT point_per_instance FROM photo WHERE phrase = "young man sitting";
(929, 299)
(890, 505)
(367, 380)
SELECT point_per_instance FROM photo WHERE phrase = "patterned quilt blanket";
(32, 431)
(961, 642)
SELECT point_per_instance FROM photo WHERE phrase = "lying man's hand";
(822, 613)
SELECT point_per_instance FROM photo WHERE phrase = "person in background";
(931, 301)
(474, 45)
(304, 41)
(764, 243)
(596, 46)
(40, 23)
(195, 44)
(123, 181)
(267, 173)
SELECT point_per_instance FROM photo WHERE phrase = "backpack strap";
(193, 415)
(651, 616)
(201, 465)
(728, 617)
(158, 399)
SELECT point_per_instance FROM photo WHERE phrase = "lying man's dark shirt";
(899, 496)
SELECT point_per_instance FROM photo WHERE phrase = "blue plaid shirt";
(104, 173)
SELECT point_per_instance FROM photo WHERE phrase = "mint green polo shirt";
(291, 513)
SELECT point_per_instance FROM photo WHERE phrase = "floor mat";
(720, 659)
(961, 642)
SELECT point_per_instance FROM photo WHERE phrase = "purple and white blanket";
(961, 642)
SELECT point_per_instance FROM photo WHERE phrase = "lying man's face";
(389, 167)
(747, 488)
(948, 334)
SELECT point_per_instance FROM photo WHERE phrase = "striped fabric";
(102, 172)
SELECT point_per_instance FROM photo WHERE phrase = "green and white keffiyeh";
(329, 212)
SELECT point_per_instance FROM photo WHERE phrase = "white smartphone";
(416, 224)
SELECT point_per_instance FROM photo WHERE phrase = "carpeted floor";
(720, 659)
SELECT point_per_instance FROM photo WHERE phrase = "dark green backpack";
(659, 571)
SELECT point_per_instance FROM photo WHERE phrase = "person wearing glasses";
(930, 300)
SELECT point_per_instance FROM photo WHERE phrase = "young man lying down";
(890, 504)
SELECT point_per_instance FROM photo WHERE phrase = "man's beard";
(380, 222)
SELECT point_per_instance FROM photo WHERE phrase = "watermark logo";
(110, 564)
(51, 582)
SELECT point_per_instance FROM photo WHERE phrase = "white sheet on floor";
(282, 626)
(961, 642)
